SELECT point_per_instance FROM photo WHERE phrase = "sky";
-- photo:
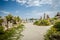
(29, 8)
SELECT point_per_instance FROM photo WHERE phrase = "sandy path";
(33, 32)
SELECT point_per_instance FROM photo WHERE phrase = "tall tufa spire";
(44, 16)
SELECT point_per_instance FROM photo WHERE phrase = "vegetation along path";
(33, 32)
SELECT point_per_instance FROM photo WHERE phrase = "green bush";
(52, 35)
(7, 34)
(42, 23)
(36, 22)
(1, 29)
(54, 32)
(55, 36)
(57, 25)
(11, 33)
(1, 20)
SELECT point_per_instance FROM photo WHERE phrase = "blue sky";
(29, 8)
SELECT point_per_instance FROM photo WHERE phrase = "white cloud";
(29, 3)
(5, 12)
(21, 1)
(55, 4)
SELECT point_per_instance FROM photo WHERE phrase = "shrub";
(11, 33)
(55, 36)
(57, 25)
(36, 22)
(42, 23)
(54, 32)
(52, 36)
(1, 29)
(1, 20)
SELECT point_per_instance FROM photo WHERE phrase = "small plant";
(57, 25)
(11, 33)
(1, 29)
(54, 32)
(36, 22)
(42, 23)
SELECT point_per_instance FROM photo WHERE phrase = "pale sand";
(33, 32)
